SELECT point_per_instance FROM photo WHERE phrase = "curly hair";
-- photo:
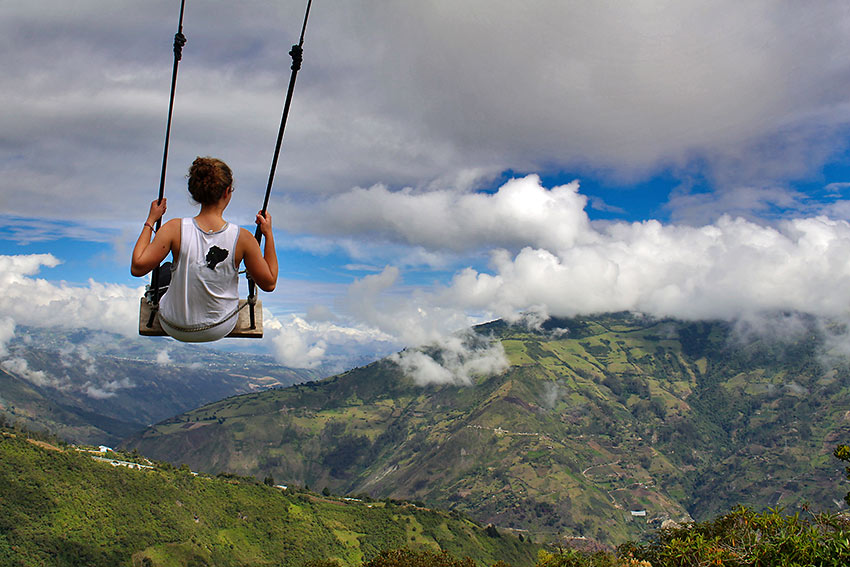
(209, 179)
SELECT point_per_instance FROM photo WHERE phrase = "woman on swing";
(202, 300)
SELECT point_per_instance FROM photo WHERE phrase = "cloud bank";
(33, 301)
(724, 270)
(29, 300)
(555, 262)
(544, 258)
(748, 92)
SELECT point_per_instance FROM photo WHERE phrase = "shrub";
(744, 537)
(409, 558)
(574, 558)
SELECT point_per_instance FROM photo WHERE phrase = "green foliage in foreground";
(745, 537)
(409, 558)
(842, 453)
(742, 538)
(60, 507)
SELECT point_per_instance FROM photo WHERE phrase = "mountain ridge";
(596, 418)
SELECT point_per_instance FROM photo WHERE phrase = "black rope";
(179, 42)
(296, 53)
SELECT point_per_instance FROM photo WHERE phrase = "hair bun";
(209, 179)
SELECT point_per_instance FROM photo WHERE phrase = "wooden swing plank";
(242, 330)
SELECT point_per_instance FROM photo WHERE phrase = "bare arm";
(261, 266)
(148, 254)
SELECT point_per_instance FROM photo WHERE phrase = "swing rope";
(179, 42)
(296, 53)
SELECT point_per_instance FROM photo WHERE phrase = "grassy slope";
(619, 414)
(60, 507)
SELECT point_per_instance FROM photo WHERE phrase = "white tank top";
(204, 288)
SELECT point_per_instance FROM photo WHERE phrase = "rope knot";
(179, 42)
(296, 53)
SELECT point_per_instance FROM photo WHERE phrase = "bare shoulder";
(172, 225)
(246, 240)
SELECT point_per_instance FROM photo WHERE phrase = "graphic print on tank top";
(215, 256)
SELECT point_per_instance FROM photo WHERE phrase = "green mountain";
(98, 388)
(62, 507)
(602, 427)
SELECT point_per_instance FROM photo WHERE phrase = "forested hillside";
(602, 427)
(60, 506)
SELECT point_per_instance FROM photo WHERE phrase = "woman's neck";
(210, 219)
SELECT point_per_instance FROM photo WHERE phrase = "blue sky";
(443, 164)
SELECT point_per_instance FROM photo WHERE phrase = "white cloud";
(21, 367)
(38, 302)
(748, 202)
(83, 358)
(7, 331)
(331, 344)
(551, 393)
(457, 359)
(93, 389)
(546, 258)
(410, 315)
(521, 213)
(97, 393)
(106, 390)
(319, 314)
(84, 354)
(163, 357)
(718, 271)
(296, 346)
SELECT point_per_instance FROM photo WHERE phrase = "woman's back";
(201, 302)
(203, 295)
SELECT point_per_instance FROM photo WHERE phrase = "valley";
(98, 388)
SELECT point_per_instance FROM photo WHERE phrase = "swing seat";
(242, 330)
